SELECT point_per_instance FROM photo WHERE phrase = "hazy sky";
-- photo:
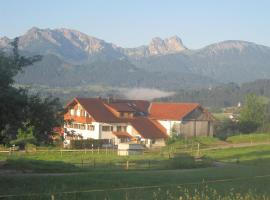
(130, 23)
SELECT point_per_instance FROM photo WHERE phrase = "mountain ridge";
(163, 63)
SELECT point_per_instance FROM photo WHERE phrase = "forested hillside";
(222, 96)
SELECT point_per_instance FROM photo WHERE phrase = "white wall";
(132, 131)
(168, 125)
(87, 134)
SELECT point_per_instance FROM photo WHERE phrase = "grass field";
(240, 173)
(249, 138)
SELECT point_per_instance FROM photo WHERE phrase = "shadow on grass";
(30, 165)
(27, 165)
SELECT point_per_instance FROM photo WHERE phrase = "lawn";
(55, 161)
(143, 184)
(249, 138)
(243, 173)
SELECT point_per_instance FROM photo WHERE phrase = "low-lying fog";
(144, 93)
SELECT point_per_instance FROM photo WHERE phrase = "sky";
(131, 23)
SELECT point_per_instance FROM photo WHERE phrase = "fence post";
(52, 197)
(198, 151)
(127, 165)
(82, 162)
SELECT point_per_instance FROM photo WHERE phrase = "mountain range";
(72, 58)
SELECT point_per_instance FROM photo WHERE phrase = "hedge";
(87, 144)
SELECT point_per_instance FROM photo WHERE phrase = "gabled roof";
(148, 128)
(138, 105)
(171, 111)
(121, 107)
(96, 108)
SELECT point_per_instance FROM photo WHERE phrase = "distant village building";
(239, 104)
(138, 121)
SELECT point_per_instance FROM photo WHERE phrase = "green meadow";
(178, 171)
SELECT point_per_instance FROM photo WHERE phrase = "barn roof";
(171, 111)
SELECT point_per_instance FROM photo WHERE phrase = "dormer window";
(126, 114)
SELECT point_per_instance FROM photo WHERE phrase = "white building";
(119, 121)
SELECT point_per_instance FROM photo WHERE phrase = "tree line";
(254, 116)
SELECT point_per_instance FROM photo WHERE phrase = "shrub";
(30, 148)
(247, 126)
(226, 128)
(87, 144)
(24, 136)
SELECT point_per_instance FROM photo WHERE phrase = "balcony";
(78, 119)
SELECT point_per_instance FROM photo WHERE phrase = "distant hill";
(72, 58)
(224, 95)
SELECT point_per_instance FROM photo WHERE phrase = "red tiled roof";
(96, 108)
(121, 107)
(171, 111)
(148, 128)
(122, 134)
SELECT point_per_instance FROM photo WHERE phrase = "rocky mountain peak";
(169, 45)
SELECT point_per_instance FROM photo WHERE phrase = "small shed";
(127, 149)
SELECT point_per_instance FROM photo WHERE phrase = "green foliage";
(253, 114)
(30, 148)
(173, 138)
(86, 144)
(18, 106)
(186, 161)
(225, 95)
(24, 136)
(226, 128)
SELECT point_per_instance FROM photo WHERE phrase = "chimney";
(110, 99)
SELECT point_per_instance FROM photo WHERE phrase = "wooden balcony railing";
(78, 119)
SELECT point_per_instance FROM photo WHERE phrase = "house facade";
(120, 121)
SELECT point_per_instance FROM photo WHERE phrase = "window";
(76, 126)
(82, 126)
(78, 112)
(126, 114)
(121, 128)
(91, 127)
(118, 128)
(71, 111)
(106, 128)
(82, 112)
